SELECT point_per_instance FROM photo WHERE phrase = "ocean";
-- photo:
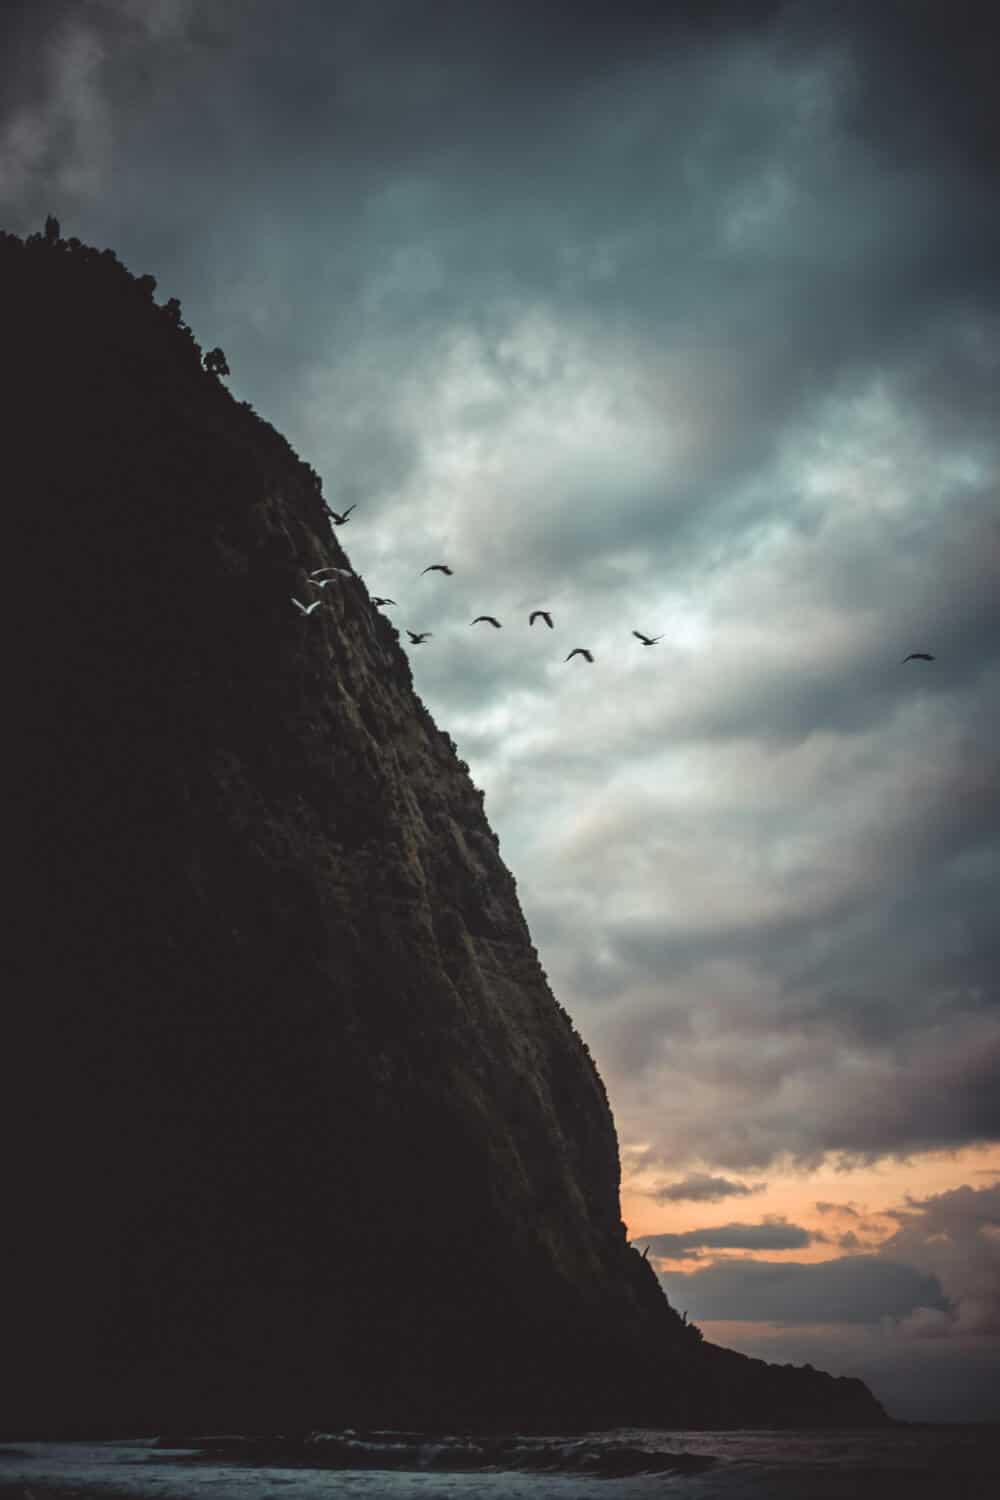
(913, 1461)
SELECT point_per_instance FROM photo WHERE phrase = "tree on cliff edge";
(215, 362)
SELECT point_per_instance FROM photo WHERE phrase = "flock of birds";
(418, 637)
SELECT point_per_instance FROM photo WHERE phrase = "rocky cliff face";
(298, 1133)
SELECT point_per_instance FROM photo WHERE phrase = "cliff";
(297, 1132)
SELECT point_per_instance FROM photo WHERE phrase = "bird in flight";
(489, 619)
(541, 614)
(647, 640)
(580, 651)
(378, 602)
(337, 518)
(437, 568)
(918, 656)
(418, 638)
(306, 609)
(340, 573)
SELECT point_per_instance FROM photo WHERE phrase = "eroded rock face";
(299, 1132)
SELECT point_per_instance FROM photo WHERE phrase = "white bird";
(340, 572)
(306, 609)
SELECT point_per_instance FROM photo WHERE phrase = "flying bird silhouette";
(437, 568)
(917, 656)
(580, 651)
(489, 620)
(378, 602)
(647, 640)
(306, 609)
(337, 518)
(419, 638)
(541, 614)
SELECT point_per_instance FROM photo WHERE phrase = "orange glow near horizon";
(863, 1194)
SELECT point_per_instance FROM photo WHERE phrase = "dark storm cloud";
(773, 1234)
(541, 43)
(923, 77)
(956, 1235)
(856, 1289)
(373, 82)
(702, 1187)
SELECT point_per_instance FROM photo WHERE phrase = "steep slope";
(298, 1132)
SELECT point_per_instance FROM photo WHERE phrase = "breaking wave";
(435, 1452)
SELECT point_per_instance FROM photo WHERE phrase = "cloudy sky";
(681, 319)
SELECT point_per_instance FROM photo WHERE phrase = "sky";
(672, 318)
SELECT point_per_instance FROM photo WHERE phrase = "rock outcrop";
(297, 1133)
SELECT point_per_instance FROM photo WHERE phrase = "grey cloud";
(773, 1234)
(702, 1187)
(855, 1289)
(854, 1010)
(811, 1097)
(956, 1235)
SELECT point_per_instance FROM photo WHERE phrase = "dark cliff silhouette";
(295, 1132)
